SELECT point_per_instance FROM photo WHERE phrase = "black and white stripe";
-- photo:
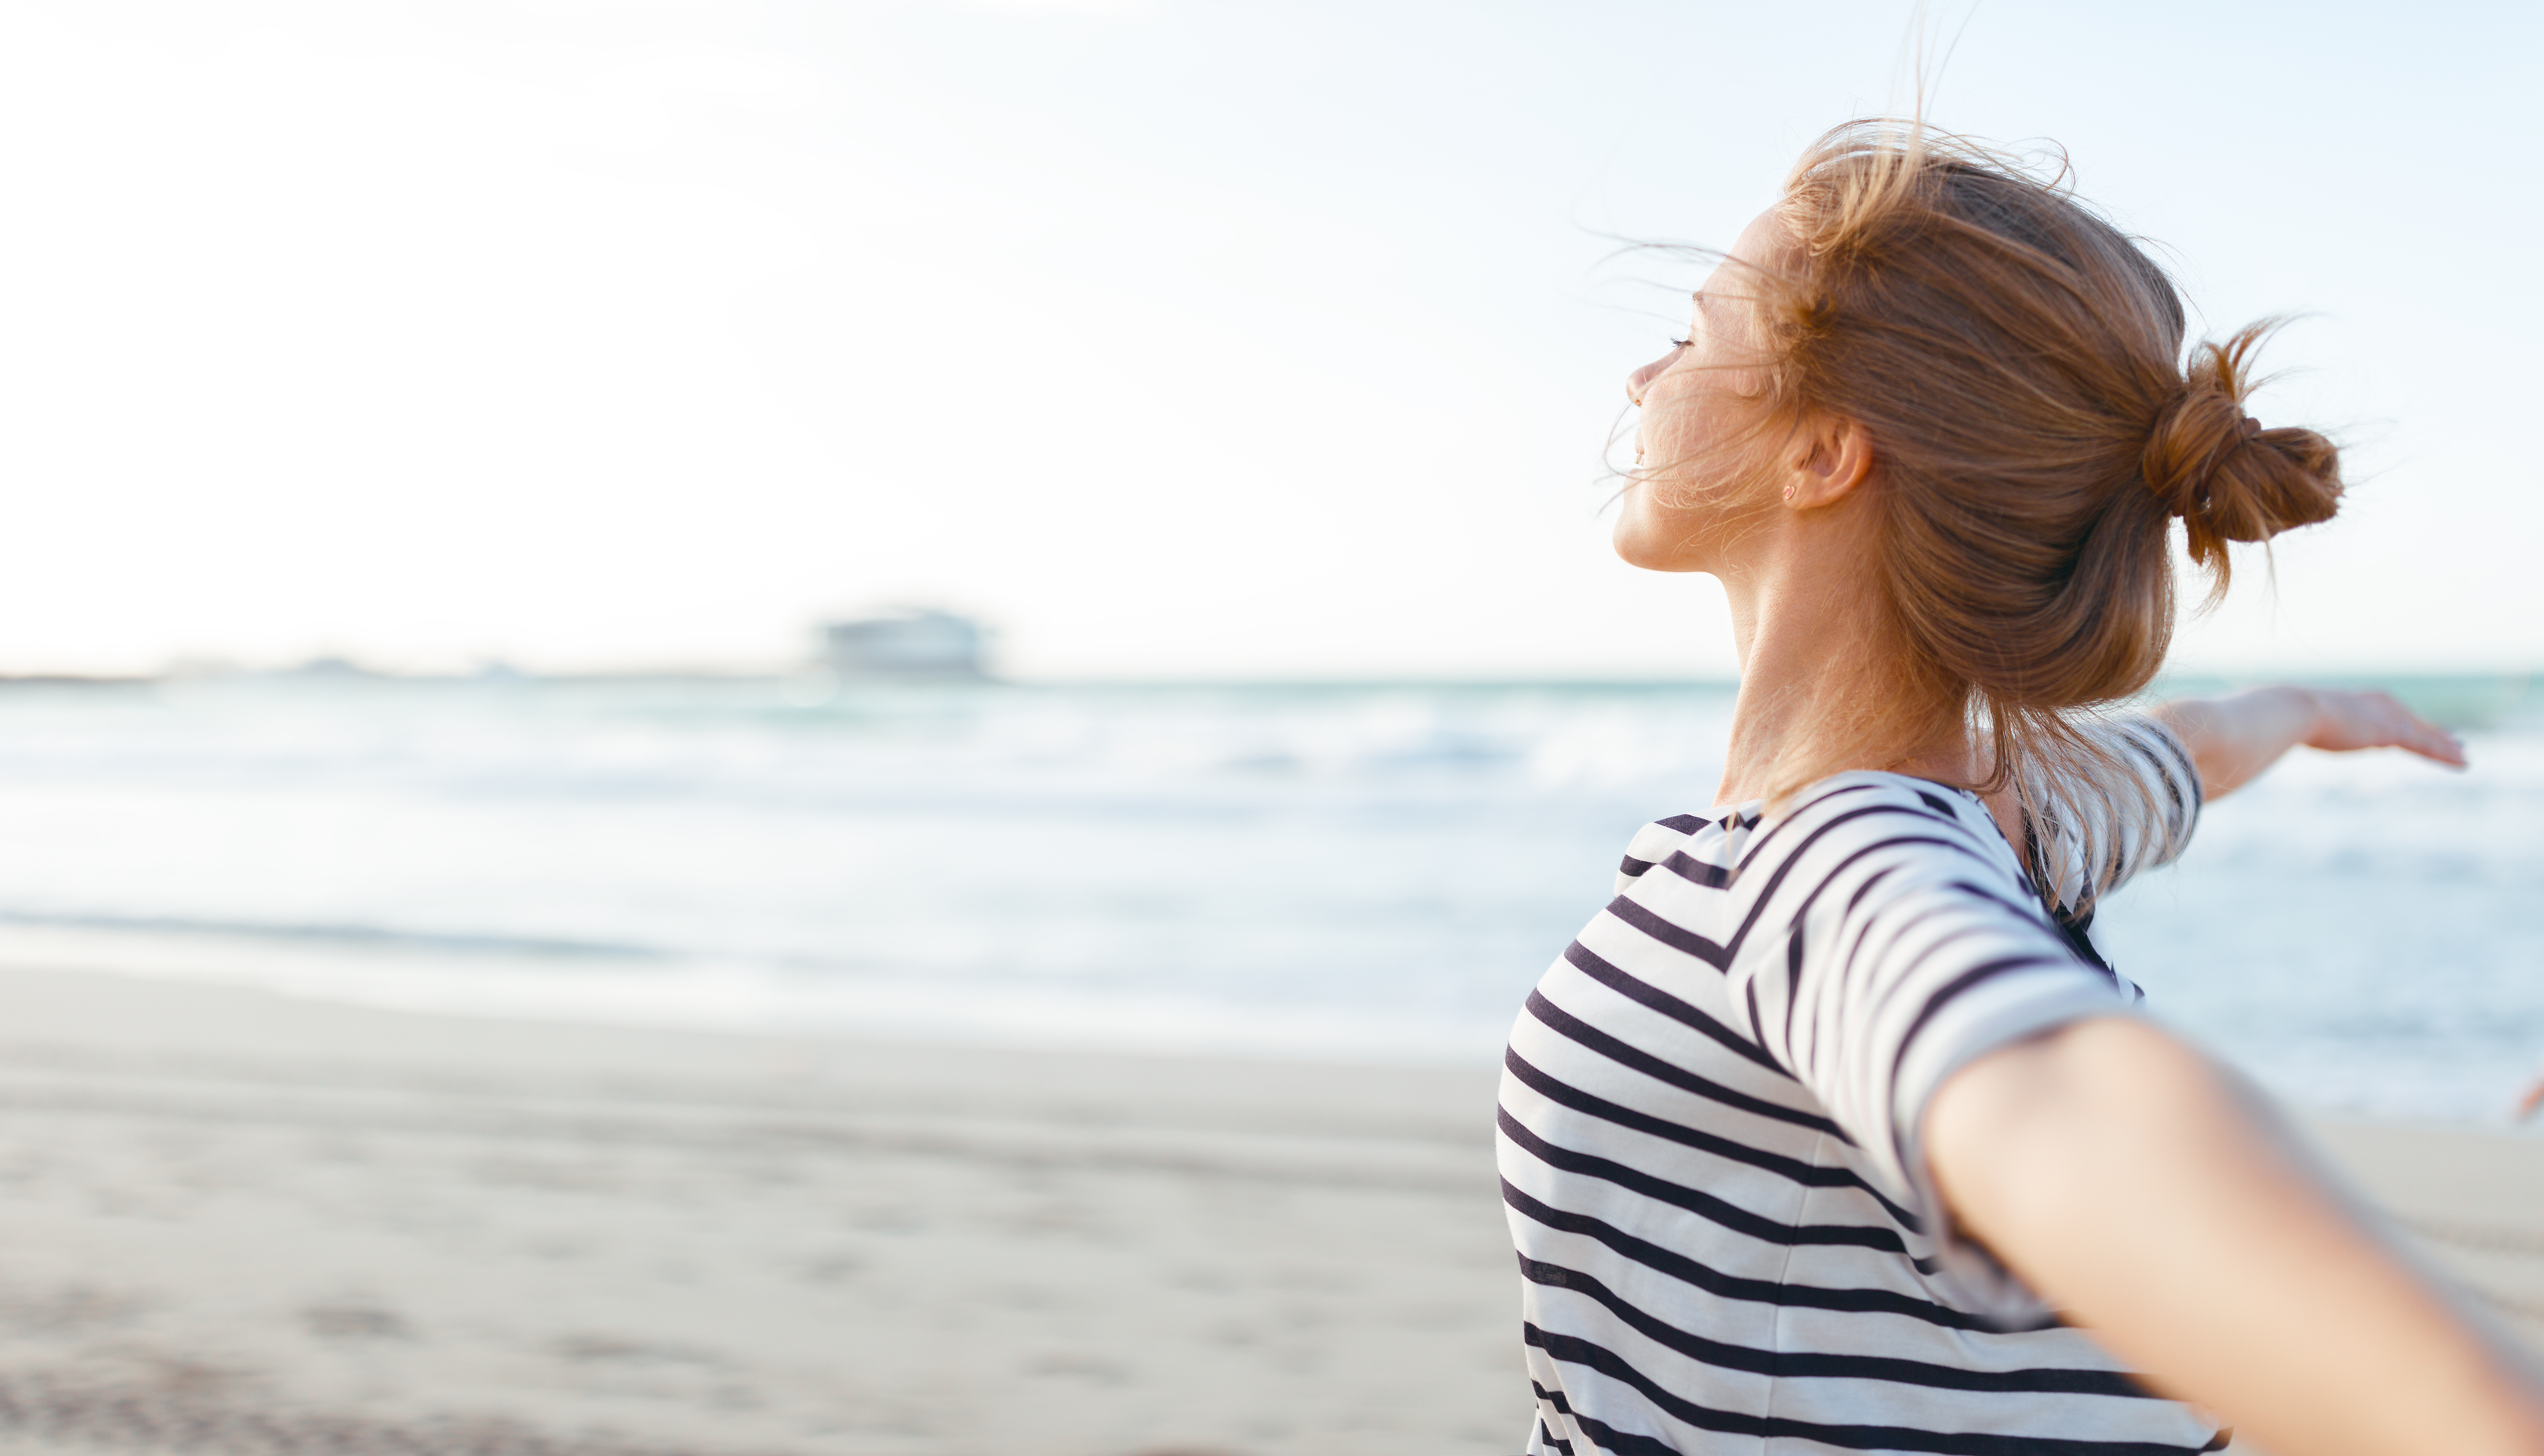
(1709, 1117)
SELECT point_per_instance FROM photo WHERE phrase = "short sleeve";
(2093, 826)
(1915, 952)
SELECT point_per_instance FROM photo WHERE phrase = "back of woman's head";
(2037, 423)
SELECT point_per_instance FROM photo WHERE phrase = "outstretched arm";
(2232, 740)
(2150, 1195)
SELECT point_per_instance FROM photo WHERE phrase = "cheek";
(1683, 423)
(1692, 452)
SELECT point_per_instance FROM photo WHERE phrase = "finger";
(2374, 720)
(2440, 745)
(2429, 741)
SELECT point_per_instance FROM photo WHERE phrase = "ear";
(1829, 457)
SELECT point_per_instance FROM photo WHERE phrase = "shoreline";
(419, 978)
(241, 1219)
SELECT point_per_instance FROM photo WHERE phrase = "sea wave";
(1351, 869)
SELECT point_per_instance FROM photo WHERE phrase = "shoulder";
(1697, 847)
(2144, 748)
(1852, 845)
(1847, 818)
(1823, 828)
(2095, 821)
(1915, 875)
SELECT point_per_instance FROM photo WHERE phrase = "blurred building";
(909, 641)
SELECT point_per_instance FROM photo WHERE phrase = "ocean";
(1367, 872)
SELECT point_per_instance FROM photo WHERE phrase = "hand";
(2232, 740)
(2372, 719)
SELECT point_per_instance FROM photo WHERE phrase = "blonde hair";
(2036, 425)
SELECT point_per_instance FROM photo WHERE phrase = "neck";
(1818, 685)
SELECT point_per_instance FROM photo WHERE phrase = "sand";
(237, 1222)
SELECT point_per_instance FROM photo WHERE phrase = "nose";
(1640, 379)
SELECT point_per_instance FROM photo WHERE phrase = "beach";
(244, 1222)
(235, 1221)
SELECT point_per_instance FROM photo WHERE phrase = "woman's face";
(1694, 434)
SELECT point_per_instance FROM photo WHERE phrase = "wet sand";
(236, 1222)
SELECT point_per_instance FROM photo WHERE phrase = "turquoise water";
(1353, 870)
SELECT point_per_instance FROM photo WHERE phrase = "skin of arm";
(2232, 740)
(2150, 1195)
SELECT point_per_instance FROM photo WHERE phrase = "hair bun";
(2191, 439)
(2228, 478)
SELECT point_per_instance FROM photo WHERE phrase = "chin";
(1656, 545)
(1665, 538)
(1652, 556)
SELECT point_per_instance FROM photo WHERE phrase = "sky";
(1171, 337)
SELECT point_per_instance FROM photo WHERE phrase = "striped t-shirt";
(1727, 1237)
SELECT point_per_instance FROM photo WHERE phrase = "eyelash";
(1681, 342)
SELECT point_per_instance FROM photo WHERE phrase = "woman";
(1807, 1135)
